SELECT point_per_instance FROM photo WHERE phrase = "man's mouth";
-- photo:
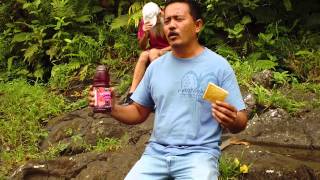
(172, 35)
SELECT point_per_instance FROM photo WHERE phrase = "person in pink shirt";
(151, 39)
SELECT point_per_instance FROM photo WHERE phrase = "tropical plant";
(275, 99)
(231, 168)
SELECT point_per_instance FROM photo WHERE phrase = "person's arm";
(131, 114)
(144, 35)
(164, 50)
(143, 41)
(229, 117)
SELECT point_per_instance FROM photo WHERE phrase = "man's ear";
(198, 24)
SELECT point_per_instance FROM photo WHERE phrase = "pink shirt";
(154, 41)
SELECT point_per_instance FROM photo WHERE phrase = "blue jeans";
(193, 166)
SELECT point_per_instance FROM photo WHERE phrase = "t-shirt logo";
(193, 85)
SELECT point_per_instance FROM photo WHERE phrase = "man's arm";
(228, 116)
(131, 114)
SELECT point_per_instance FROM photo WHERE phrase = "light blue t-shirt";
(183, 120)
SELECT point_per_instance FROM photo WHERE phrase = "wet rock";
(264, 78)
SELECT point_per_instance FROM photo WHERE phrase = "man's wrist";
(238, 124)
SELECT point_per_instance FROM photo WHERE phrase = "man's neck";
(187, 51)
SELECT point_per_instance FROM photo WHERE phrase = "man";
(187, 129)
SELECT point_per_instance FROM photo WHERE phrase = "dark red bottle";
(102, 92)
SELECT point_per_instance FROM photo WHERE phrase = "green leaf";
(246, 20)
(21, 37)
(84, 18)
(96, 9)
(68, 40)
(287, 4)
(10, 61)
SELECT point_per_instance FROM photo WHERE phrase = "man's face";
(179, 26)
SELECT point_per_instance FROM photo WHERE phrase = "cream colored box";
(214, 93)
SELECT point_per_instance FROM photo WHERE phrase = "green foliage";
(53, 151)
(244, 72)
(23, 109)
(107, 144)
(281, 78)
(306, 64)
(246, 67)
(275, 99)
(306, 87)
(237, 31)
(231, 168)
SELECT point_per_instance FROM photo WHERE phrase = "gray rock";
(82, 127)
(250, 102)
(264, 78)
(277, 127)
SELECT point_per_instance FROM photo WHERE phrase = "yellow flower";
(244, 169)
(236, 161)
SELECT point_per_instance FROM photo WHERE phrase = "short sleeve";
(142, 95)
(230, 84)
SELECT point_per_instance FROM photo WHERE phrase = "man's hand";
(130, 114)
(91, 98)
(228, 116)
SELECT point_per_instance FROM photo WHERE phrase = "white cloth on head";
(150, 12)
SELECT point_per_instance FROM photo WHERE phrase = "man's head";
(182, 22)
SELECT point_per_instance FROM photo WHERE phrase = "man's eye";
(179, 18)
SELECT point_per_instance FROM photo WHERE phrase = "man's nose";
(172, 25)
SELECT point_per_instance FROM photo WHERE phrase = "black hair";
(194, 6)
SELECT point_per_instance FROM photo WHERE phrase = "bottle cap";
(101, 77)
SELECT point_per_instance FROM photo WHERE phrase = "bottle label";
(102, 97)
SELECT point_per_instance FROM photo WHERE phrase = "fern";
(62, 8)
(30, 53)
(135, 13)
(260, 65)
(227, 52)
(119, 22)
(74, 65)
